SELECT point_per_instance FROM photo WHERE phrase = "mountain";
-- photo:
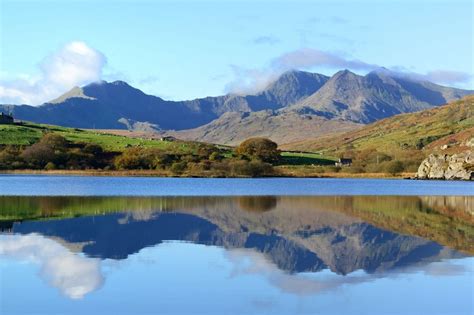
(233, 127)
(447, 129)
(117, 105)
(103, 104)
(377, 95)
(338, 103)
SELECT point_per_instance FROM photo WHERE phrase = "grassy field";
(305, 158)
(29, 133)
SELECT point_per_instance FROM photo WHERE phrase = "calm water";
(80, 245)
(41, 185)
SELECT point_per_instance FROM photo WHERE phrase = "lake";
(123, 245)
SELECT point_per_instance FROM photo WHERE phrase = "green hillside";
(414, 131)
(29, 133)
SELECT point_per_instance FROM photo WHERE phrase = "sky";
(188, 49)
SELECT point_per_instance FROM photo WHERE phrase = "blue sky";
(188, 49)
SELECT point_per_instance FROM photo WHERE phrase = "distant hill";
(233, 127)
(447, 129)
(297, 106)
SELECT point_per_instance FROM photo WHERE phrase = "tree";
(54, 141)
(259, 148)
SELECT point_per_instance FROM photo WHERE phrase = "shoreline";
(155, 173)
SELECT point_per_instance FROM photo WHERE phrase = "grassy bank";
(280, 172)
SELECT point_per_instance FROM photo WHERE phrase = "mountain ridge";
(344, 99)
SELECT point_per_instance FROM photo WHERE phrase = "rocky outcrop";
(457, 166)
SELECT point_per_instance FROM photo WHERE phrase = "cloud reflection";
(74, 275)
(249, 262)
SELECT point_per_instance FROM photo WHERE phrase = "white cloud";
(250, 81)
(74, 64)
(245, 262)
(253, 80)
(446, 77)
(309, 57)
(74, 275)
(250, 262)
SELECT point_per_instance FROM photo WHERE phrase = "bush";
(10, 158)
(50, 148)
(93, 149)
(143, 158)
(259, 148)
(38, 155)
(215, 156)
(204, 151)
(250, 168)
(179, 167)
(394, 167)
(133, 158)
(50, 166)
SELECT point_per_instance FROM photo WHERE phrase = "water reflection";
(72, 274)
(301, 245)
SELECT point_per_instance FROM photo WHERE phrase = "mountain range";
(296, 106)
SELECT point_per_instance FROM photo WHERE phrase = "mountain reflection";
(293, 234)
(298, 233)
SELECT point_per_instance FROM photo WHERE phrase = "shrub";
(93, 149)
(215, 156)
(9, 158)
(394, 167)
(179, 167)
(50, 148)
(38, 155)
(143, 158)
(250, 168)
(50, 166)
(134, 158)
(204, 151)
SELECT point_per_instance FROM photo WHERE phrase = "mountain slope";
(232, 128)
(379, 94)
(451, 125)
